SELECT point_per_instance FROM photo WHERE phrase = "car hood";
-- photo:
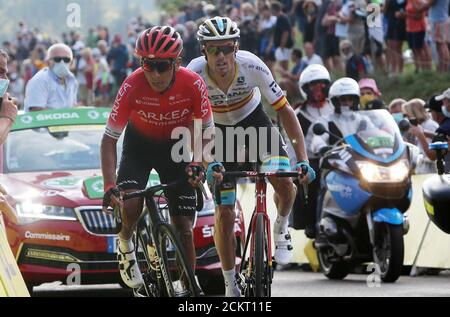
(69, 189)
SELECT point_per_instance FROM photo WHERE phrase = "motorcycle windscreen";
(375, 135)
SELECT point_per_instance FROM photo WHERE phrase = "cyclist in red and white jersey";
(236, 80)
(157, 98)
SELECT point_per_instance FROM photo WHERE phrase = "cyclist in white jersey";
(235, 80)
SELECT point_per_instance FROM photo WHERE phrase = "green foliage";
(172, 6)
(50, 16)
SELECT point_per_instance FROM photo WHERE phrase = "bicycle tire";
(259, 261)
(152, 285)
(174, 265)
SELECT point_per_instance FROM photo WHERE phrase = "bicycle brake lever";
(202, 188)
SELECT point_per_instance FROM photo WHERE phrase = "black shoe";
(310, 232)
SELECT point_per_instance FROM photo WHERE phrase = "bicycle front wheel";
(263, 275)
(176, 271)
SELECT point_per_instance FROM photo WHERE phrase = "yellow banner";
(11, 281)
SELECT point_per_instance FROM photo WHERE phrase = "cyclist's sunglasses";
(161, 66)
(215, 50)
(59, 59)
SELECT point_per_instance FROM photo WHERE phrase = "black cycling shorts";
(139, 156)
(274, 156)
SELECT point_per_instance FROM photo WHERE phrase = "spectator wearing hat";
(369, 91)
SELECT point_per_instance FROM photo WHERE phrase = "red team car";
(50, 167)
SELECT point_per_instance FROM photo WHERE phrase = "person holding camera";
(8, 113)
(8, 105)
(419, 118)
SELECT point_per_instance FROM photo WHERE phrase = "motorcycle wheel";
(389, 251)
(332, 270)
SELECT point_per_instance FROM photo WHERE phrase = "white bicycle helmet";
(217, 29)
(344, 87)
(312, 73)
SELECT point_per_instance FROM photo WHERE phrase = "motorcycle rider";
(314, 84)
(345, 96)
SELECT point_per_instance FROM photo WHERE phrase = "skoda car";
(50, 168)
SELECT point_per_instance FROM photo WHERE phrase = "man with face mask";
(53, 87)
(344, 95)
(8, 105)
(314, 84)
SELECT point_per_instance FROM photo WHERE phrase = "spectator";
(310, 57)
(418, 116)
(282, 40)
(443, 119)
(395, 108)
(289, 81)
(311, 11)
(17, 84)
(331, 52)
(103, 80)
(191, 48)
(369, 91)
(8, 105)
(85, 77)
(55, 86)
(440, 28)
(356, 20)
(266, 27)
(118, 58)
(355, 66)
(396, 35)
(415, 33)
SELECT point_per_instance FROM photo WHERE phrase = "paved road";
(297, 283)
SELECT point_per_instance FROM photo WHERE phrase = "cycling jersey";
(252, 78)
(154, 114)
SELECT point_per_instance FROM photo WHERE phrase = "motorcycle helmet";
(314, 72)
(344, 87)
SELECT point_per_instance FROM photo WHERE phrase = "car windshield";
(54, 149)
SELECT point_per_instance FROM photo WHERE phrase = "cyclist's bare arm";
(108, 156)
(294, 131)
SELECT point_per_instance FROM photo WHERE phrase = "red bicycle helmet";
(159, 42)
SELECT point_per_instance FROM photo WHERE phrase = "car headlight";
(384, 174)
(31, 211)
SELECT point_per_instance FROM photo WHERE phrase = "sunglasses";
(215, 50)
(59, 59)
(159, 66)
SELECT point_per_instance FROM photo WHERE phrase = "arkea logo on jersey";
(174, 115)
(203, 94)
(120, 94)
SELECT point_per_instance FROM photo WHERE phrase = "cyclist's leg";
(225, 217)
(132, 175)
(182, 202)
(275, 158)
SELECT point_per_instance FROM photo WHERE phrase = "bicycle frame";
(152, 228)
(260, 208)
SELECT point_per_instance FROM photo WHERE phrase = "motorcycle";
(365, 191)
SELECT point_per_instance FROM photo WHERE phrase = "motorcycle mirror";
(319, 129)
(404, 125)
